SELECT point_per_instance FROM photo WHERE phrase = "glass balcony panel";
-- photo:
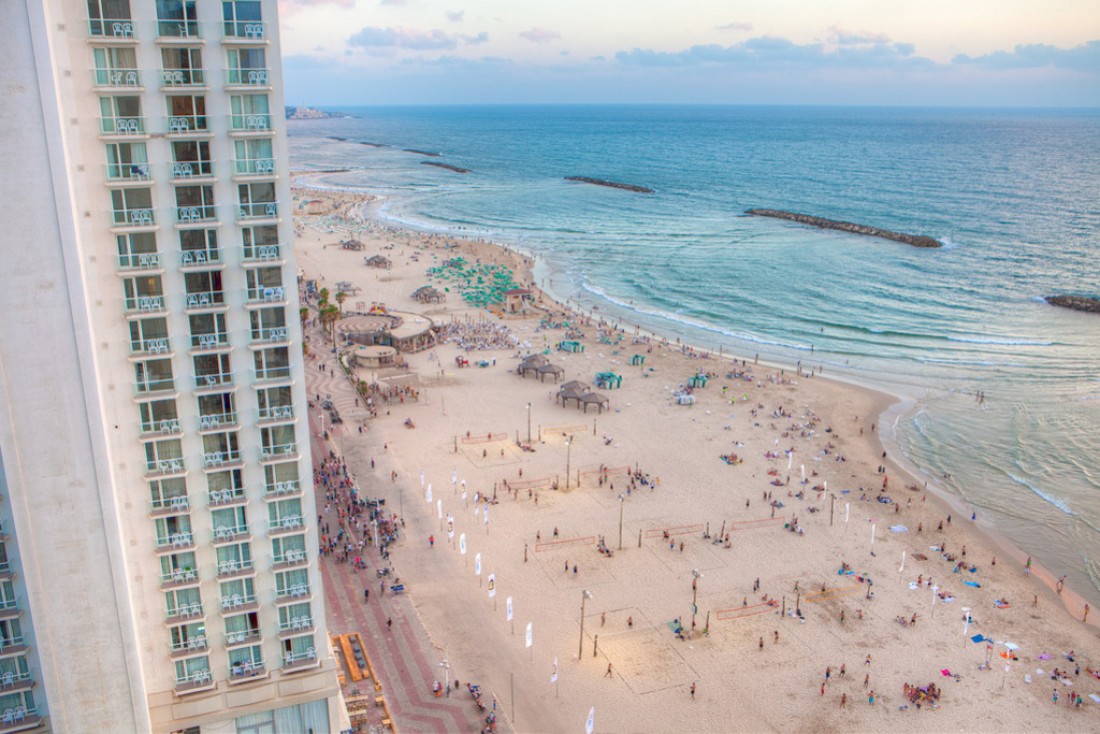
(255, 166)
(249, 30)
(250, 122)
(133, 217)
(116, 77)
(183, 124)
(213, 381)
(248, 77)
(178, 29)
(122, 125)
(112, 28)
(182, 77)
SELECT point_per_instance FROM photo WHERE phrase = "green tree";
(340, 298)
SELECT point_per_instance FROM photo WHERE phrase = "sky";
(1017, 53)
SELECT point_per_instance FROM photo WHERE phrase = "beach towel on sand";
(975, 584)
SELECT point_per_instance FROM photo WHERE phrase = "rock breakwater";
(610, 184)
(448, 166)
(1075, 303)
(860, 229)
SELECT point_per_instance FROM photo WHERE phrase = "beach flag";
(428, 495)
(492, 585)
(529, 636)
(590, 725)
(462, 544)
(508, 606)
(454, 476)
(439, 508)
(421, 478)
(477, 565)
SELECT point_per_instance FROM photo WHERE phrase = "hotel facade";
(158, 564)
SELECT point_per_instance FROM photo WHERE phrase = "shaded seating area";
(428, 294)
(541, 366)
(595, 398)
(378, 261)
(608, 380)
(637, 360)
(352, 244)
(698, 381)
(570, 346)
(554, 370)
(582, 393)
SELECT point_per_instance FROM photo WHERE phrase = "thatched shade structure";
(377, 261)
(594, 398)
(556, 370)
(427, 294)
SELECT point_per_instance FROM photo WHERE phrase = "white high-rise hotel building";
(158, 565)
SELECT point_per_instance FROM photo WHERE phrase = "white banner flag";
(492, 585)
(450, 526)
(422, 479)
(462, 544)
(554, 674)
(508, 605)
(590, 725)
(439, 508)
(486, 514)
(428, 494)
(454, 477)
(477, 565)
(530, 635)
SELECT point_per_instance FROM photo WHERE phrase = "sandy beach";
(751, 560)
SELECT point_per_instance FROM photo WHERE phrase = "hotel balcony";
(19, 718)
(269, 336)
(117, 80)
(122, 127)
(152, 429)
(244, 79)
(143, 263)
(184, 613)
(286, 525)
(239, 603)
(263, 255)
(253, 168)
(294, 662)
(186, 125)
(204, 301)
(169, 506)
(123, 174)
(163, 468)
(272, 374)
(111, 31)
(218, 498)
(6, 573)
(217, 421)
(235, 569)
(171, 79)
(9, 609)
(290, 559)
(275, 414)
(250, 124)
(152, 305)
(293, 594)
(282, 452)
(152, 389)
(230, 534)
(179, 579)
(246, 672)
(13, 682)
(12, 646)
(244, 637)
(178, 31)
(209, 383)
(221, 459)
(259, 212)
(186, 648)
(133, 220)
(209, 342)
(196, 215)
(175, 542)
(282, 490)
(296, 627)
(142, 348)
(191, 171)
(275, 296)
(194, 683)
(194, 260)
(244, 32)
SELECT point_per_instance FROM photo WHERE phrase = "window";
(212, 366)
(268, 324)
(272, 364)
(159, 415)
(121, 115)
(149, 335)
(186, 113)
(132, 207)
(208, 330)
(237, 592)
(178, 600)
(278, 441)
(235, 557)
(174, 530)
(137, 250)
(181, 66)
(247, 66)
(225, 481)
(254, 156)
(163, 491)
(204, 288)
(288, 548)
(153, 374)
(191, 158)
(176, 18)
(240, 15)
(275, 402)
(193, 670)
(218, 448)
(249, 111)
(281, 476)
(136, 289)
(241, 626)
(265, 284)
(11, 633)
(245, 661)
(232, 519)
(178, 567)
(285, 511)
(199, 246)
(102, 15)
(162, 455)
(261, 241)
(292, 583)
(116, 67)
(188, 636)
(195, 203)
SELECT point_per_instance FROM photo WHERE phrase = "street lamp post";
(694, 594)
(528, 423)
(622, 503)
(585, 595)
(568, 456)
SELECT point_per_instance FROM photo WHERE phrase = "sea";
(1000, 391)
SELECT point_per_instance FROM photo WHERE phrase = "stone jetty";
(610, 184)
(428, 153)
(1075, 303)
(822, 223)
(448, 166)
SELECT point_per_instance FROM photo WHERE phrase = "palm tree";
(322, 298)
(303, 314)
(340, 298)
(329, 316)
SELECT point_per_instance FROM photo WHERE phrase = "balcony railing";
(179, 578)
(122, 125)
(214, 459)
(191, 644)
(111, 29)
(143, 304)
(285, 524)
(224, 497)
(11, 603)
(160, 345)
(272, 373)
(254, 166)
(292, 557)
(275, 294)
(200, 680)
(191, 258)
(237, 602)
(8, 643)
(204, 299)
(254, 122)
(145, 387)
(139, 261)
(185, 611)
(180, 29)
(259, 210)
(283, 489)
(299, 660)
(247, 30)
(271, 334)
(172, 505)
(227, 533)
(128, 172)
(297, 624)
(196, 214)
(116, 77)
(270, 453)
(182, 78)
(208, 382)
(176, 540)
(247, 77)
(233, 568)
(214, 421)
(262, 253)
(133, 217)
(276, 413)
(242, 637)
(183, 124)
(163, 427)
(239, 672)
(202, 342)
(294, 591)
(187, 170)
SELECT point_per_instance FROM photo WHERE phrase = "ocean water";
(1014, 194)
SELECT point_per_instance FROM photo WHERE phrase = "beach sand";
(759, 416)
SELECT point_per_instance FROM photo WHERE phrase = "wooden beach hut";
(378, 261)
(594, 398)
(427, 294)
(531, 363)
(555, 370)
(572, 390)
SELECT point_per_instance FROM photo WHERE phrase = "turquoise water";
(1014, 194)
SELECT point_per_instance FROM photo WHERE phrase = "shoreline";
(369, 210)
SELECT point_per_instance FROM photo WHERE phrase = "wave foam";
(1060, 504)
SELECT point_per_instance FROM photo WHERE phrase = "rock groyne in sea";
(428, 153)
(860, 229)
(1075, 303)
(610, 184)
(448, 166)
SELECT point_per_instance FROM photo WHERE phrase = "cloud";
(734, 26)
(773, 53)
(411, 38)
(842, 37)
(1085, 57)
(455, 16)
(540, 35)
(394, 2)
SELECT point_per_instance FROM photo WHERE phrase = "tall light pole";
(694, 594)
(528, 423)
(568, 456)
(585, 594)
(622, 503)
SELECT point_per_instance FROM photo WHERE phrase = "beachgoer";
(761, 644)
(693, 691)
(608, 673)
(866, 680)
(871, 698)
(843, 700)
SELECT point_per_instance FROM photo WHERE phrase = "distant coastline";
(860, 229)
(308, 113)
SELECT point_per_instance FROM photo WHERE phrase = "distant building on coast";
(158, 567)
